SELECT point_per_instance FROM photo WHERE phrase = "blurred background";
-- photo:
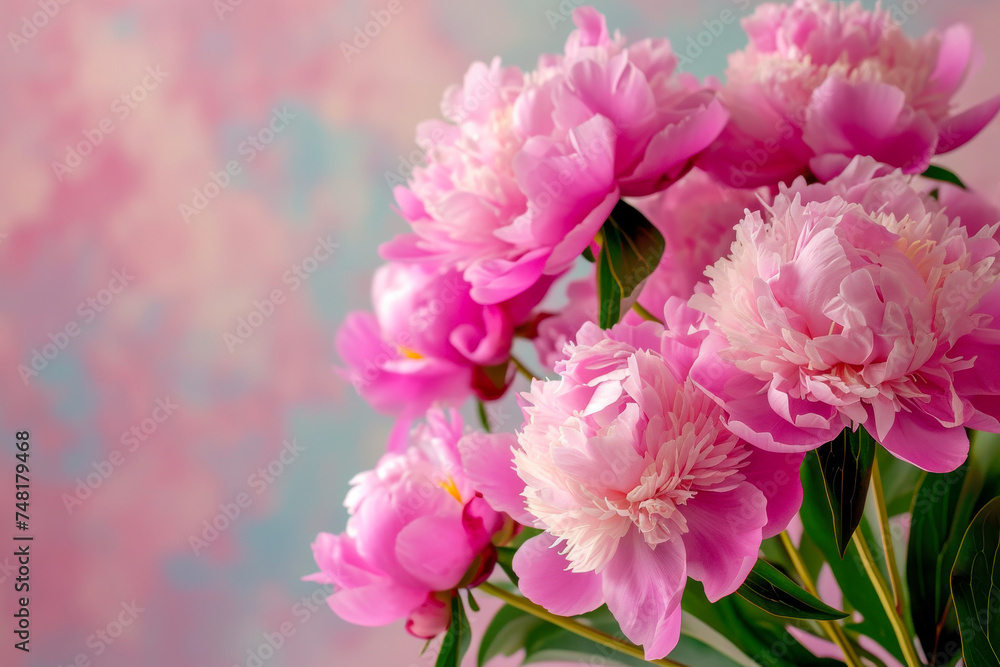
(191, 197)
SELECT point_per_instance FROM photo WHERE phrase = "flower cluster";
(771, 266)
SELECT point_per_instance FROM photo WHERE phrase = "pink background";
(226, 67)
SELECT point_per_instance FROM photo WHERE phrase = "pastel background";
(160, 399)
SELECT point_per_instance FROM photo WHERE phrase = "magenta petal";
(921, 440)
(958, 130)
(435, 550)
(480, 522)
(954, 57)
(723, 538)
(403, 248)
(497, 280)
(643, 588)
(581, 236)
(546, 580)
(673, 148)
(777, 477)
(891, 131)
(489, 347)
(488, 460)
(377, 604)
(429, 619)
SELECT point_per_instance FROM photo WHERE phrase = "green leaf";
(899, 482)
(975, 585)
(701, 635)
(757, 634)
(456, 641)
(506, 634)
(940, 517)
(766, 587)
(846, 463)
(588, 255)
(849, 571)
(936, 173)
(609, 293)
(631, 250)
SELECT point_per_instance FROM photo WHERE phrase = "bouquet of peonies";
(747, 441)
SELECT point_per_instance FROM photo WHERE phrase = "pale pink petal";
(488, 460)
(643, 588)
(545, 579)
(724, 537)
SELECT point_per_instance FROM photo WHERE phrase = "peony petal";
(497, 280)
(921, 440)
(546, 580)
(643, 588)
(723, 538)
(670, 152)
(891, 132)
(377, 604)
(777, 477)
(488, 460)
(958, 130)
(435, 550)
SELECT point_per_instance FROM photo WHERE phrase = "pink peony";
(860, 302)
(527, 167)
(821, 82)
(417, 531)
(625, 465)
(428, 341)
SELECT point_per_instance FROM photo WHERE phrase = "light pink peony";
(822, 82)
(860, 302)
(428, 341)
(625, 465)
(417, 530)
(527, 167)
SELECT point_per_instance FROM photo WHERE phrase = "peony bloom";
(428, 341)
(625, 464)
(860, 302)
(417, 531)
(821, 82)
(527, 167)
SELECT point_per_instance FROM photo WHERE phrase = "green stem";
(645, 314)
(831, 628)
(885, 597)
(572, 625)
(890, 553)
(524, 370)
